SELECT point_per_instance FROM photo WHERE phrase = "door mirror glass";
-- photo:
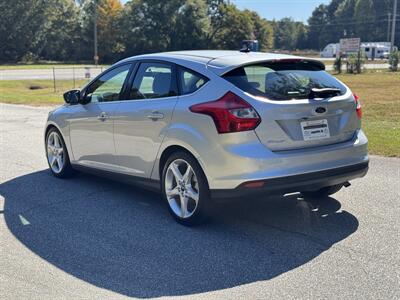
(72, 97)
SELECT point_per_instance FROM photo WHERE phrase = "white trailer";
(376, 50)
(330, 50)
(371, 50)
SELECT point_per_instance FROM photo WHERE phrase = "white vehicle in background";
(376, 50)
(371, 50)
(330, 51)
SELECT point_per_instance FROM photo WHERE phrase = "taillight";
(230, 113)
(358, 105)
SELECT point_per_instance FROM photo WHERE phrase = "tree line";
(366, 19)
(63, 30)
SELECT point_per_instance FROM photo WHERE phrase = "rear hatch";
(300, 105)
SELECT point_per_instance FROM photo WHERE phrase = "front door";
(144, 116)
(92, 124)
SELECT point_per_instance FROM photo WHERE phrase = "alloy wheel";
(182, 188)
(55, 152)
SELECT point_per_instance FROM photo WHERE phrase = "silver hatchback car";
(206, 124)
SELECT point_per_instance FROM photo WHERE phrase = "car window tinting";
(152, 80)
(109, 86)
(282, 81)
(190, 81)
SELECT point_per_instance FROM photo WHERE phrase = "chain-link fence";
(62, 78)
(74, 77)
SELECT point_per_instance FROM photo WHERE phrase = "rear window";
(282, 81)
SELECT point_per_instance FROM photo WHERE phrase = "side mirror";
(72, 97)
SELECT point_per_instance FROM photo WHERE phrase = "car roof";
(222, 61)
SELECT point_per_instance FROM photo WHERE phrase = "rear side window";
(282, 81)
(152, 80)
(190, 81)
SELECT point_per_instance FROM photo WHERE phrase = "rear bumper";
(297, 183)
(230, 166)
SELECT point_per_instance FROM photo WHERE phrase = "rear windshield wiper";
(325, 92)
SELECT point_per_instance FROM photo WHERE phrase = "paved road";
(62, 73)
(79, 73)
(90, 238)
(366, 66)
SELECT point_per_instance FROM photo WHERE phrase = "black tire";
(66, 171)
(324, 192)
(202, 210)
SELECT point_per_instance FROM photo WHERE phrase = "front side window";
(282, 81)
(152, 80)
(190, 81)
(109, 86)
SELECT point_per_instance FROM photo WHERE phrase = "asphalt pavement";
(59, 73)
(92, 238)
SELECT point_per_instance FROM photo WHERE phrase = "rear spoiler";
(316, 63)
(223, 70)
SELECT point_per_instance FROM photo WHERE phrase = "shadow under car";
(121, 238)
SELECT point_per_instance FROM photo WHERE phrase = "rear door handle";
(155, 115)
(103, 116)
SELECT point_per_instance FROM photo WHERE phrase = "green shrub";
(394, 60)
(355, 62)
(337, 65)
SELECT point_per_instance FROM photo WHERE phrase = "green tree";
(302, 36)
(317, 25)
(149, 25)
(192, 26)
(60, 37)
(109, 14)
(344, 20)
(364, 19)
(216, 13)
(236, 26)
(285, 34)
(381, 8)
(33, 29)
(262, 31)
(110, 45)
(20, 24)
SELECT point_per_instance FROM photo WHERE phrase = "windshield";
(284, 81)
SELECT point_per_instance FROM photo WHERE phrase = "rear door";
(143, 117)
(293, 117)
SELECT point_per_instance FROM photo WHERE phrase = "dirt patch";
(35, 87)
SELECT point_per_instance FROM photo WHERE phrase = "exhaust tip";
(346, 184)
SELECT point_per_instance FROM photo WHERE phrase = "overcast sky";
(299, 10)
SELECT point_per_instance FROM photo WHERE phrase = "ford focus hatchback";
(206, 124)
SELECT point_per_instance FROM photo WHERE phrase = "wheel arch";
(181, 136)
(48, 127)
(167, 151)
(51, 125)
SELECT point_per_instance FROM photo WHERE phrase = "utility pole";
(388, 28)
(394, 23)
(96, 56)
